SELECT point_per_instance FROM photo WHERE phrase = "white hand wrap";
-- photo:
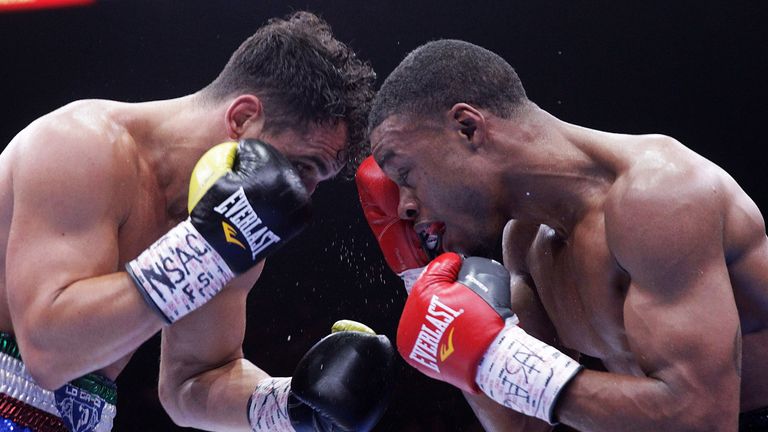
(523, 373)
(410, 277)
(268, 406)
(179, 272)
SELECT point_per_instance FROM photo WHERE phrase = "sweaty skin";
(630, 249)
(85, 189)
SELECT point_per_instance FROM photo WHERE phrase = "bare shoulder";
(669, 201)
(84, 129)
(80, 147)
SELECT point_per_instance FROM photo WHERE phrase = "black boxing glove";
(245, 200)
(343, 383)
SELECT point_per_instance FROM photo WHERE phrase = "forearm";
(599, 401)
(497, 418)
(216, 399)
(84, 327)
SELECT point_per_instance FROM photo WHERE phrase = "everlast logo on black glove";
(238, 210)
(224, 233)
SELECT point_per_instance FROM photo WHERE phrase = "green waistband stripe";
(95, 384)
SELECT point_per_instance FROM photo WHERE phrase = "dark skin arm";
(748, 271)
(492, 416)
(680, 317)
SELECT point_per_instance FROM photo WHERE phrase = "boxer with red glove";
(458, 326)
(405, 251)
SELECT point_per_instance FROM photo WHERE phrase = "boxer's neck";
(557, 172)
(172, 135)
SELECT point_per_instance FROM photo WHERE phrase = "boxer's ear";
(244, 116)
(468, 122)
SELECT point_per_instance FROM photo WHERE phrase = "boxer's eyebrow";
(320, 164)
(386, 157)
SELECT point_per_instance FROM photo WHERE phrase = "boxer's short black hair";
(303, 75)
(439, 74)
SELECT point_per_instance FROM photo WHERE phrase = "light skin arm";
(681, 323)
(205, 382)
(72, 311)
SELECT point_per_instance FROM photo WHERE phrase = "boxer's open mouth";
(432, 238)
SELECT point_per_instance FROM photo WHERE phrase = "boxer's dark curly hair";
(439, 74)
(302, 74)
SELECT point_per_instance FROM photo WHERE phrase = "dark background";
(694, 70)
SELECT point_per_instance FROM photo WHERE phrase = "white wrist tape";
(268, 406)
(180, 272)
(410, 277)
(523, 373)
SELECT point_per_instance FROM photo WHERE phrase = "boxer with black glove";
(344, 382)
(245, 200)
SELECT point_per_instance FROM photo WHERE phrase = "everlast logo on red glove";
(450, 318)
(437, 320)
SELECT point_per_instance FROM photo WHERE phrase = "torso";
(144, 217)
(583, 288)
(579, 282)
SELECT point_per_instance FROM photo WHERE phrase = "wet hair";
(303, 75)
(439, 74)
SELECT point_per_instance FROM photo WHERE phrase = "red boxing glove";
(454, 312)
(380, 197)
(458, 327)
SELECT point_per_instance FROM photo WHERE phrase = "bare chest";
(582, 290)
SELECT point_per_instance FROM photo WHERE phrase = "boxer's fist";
(458, 326)
(343, 383)
(455, 310)
(402, 247)
(245, 200)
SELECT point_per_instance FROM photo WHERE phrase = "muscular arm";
(494, 417)
(72, 311)
(204, 380)
(680, 317)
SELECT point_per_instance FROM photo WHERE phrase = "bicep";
(63, 228)
(680, 315)
(684, 330)
(516, 242)
(528, 308)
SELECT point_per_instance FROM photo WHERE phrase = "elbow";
(169, 393)
(712, 415)
(47, 365)
(701, 420)
(44, 368)
(697, 414)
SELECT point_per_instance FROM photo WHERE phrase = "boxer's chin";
(486, 247)
(465, 248)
